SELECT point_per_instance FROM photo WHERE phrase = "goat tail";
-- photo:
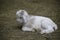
(55, 27)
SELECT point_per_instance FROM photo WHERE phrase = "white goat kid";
(38, 23)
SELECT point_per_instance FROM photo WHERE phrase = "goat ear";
(22, 13)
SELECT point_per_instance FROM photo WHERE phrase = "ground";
(8, 26)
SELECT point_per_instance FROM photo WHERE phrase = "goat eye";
(20, 17)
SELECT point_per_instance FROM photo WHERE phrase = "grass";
(8, 24)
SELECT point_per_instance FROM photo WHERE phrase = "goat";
(31, 23)
(43, 25)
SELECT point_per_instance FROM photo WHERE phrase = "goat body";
(39, 23)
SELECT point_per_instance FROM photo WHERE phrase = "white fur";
(23, 15)
(38, 23)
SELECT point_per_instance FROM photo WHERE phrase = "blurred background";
(8, 24)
